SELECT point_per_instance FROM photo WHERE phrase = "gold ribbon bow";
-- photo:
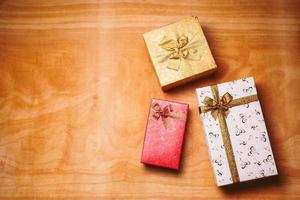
(215, 106)
(219, 108)
(179, 50)
(165, 113)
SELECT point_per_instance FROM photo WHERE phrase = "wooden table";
(76, 83)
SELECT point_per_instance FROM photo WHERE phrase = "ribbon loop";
(226, 98)
(182, 41)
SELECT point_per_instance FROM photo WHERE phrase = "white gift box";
(235, 131)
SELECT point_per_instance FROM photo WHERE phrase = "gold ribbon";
(179, 51)
(219, 108)
(165, 113)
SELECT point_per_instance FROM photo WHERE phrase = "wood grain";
(76, 83)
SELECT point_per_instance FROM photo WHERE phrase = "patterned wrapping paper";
(249, 144)
(165, 134)
(179, 52)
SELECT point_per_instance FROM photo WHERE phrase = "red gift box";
(165, 133)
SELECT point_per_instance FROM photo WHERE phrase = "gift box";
(165, 133)
(179, 52)
(235, 131)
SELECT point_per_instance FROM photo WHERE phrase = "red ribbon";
(159, 112)
(165, 113)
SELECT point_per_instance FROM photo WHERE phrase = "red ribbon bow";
(164, 113)
(161, 112)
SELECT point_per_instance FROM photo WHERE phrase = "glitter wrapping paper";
(248, 139)
(165, 134)
(179, 52)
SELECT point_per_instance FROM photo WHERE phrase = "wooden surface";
(76, 83)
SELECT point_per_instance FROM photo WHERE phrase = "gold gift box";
(179, 52)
